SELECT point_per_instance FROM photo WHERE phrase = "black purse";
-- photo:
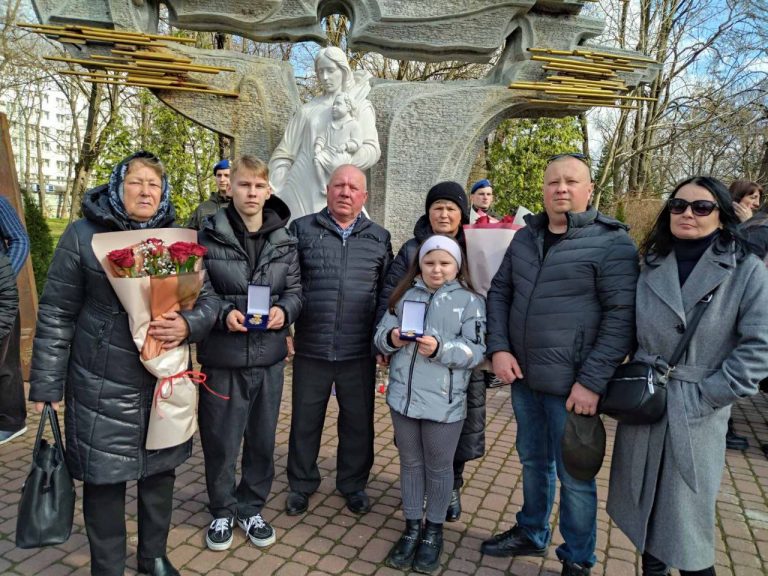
(637, 391)
(47, 504)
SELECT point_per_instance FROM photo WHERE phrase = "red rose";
(122, 258)
(180, 252)
(198, 250)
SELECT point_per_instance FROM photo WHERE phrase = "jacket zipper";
(257, 270)
(340, 299)
(536, 281)
(413, 358)
(450, 386)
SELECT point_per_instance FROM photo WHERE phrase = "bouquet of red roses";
(152, 276)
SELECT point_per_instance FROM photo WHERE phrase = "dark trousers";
(13, 409)
(312, 383)
(652, 566)
(248, 417)
(104, 513)
(458, 474)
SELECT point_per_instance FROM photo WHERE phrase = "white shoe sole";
(260, 542)
(218, 546)
(14, 435)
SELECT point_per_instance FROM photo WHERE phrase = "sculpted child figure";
(342, 138)
(294, 174)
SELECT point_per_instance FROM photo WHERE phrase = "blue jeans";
(540, 424)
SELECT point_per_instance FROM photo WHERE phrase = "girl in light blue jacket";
(428, 381)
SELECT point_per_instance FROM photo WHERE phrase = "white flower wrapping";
(486, 246)
(172, 419)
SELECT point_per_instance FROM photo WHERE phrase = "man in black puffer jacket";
(247, 244)
(344, 257)
(560, 319)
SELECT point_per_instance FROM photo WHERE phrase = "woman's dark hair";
(415, 269)
(659, 241)
(740, 188)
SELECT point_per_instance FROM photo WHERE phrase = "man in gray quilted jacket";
(560, 319)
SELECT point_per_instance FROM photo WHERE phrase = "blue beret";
(221, 165)
(484, 183)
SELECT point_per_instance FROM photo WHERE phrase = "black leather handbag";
(637, 391)
(47, 503)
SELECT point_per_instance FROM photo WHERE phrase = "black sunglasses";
(576, 155)
(698, 207)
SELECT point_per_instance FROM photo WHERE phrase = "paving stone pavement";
(330, 540)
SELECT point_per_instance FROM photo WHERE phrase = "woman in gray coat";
(665, 477)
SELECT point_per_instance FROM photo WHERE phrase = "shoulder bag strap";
(40, 429)
(48, 415)
(698, 312)
(54, 418)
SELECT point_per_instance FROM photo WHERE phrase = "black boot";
(157, 566)
(427, 558)
(652, 566)
(733, 441)
(454, 507)
(401, 555)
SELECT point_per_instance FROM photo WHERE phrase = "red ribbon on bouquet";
(193, 375)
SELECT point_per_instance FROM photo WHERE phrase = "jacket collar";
(324, 219)
(538, 222)
(711, 270)
(221, 230)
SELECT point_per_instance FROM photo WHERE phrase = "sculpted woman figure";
(294, 176)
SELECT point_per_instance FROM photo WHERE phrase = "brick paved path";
(330, 540)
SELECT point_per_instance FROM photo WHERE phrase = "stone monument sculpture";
(310, 148)
(544, 65)
(343, 137)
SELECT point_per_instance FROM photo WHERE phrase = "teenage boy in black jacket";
(247, 244)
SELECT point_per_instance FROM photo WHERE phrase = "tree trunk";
(584, 134)
(40, 159)
(92, 143)
(762, 177)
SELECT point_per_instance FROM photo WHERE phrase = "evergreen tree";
(40, 240)
(518, 155)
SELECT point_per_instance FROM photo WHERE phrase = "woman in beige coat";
(665, 477)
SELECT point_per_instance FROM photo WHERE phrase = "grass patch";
(57, 226)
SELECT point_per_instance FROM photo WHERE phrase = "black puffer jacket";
(472, 440)
(9, 297)
(341, 282)
(402, 262)
(83, 351)
(756, 233)
(570, 316)
(230, 273)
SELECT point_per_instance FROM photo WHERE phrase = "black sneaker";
(513, 542)
(259, 531)
(573, 569)
(219, 535)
